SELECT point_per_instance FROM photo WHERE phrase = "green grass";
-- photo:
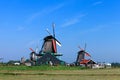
(13, 68)
(57, 73)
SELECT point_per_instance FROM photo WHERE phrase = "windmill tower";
(49, 45)
(81, 55)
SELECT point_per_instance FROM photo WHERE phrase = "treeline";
(10, 62)
(115, 65)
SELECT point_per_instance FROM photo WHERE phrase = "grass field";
(57, 73)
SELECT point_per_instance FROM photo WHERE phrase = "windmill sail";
(54, 46)
(87, 54)
(58, 43)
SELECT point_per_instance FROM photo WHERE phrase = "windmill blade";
(87, 54)
(85, 46)
(48, 31)
(80, 48)
(36, 50)
(54, 46)
(57, 42)
(31, 49)
(53, 26)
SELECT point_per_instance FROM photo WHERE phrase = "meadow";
(57, 73)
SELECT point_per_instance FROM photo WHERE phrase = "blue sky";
(94, 22)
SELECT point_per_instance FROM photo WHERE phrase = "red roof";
(84, 61)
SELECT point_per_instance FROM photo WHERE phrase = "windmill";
(33, 55)
(81, 55)
(48, 52)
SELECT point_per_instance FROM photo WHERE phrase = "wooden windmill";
(81, 55)
(48, 53)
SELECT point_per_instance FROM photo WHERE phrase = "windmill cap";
(48, 37)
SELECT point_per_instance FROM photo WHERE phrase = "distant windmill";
(81, 55)
(33, 55)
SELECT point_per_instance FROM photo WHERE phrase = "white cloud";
(45, 11)
(70, 22)
(73, 21)
(97, 3)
